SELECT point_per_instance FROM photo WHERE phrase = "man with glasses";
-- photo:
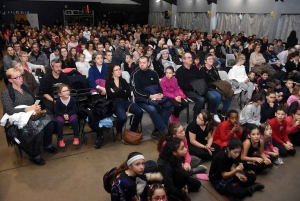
(50, 82)
(186, 74)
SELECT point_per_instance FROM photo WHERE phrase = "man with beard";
(37, 57)
(50, 82)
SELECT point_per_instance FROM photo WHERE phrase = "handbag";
(199, 86)
(131, 137)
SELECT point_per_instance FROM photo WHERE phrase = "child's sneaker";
(76, 141)
(61, 143)
(173, 119)
(280, 161)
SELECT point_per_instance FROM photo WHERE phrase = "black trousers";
(44, 136)
(203, 154)
(49, 105)
(282, 151)
(256, 167)
(295, 138)
(238, 189)
(178, 107)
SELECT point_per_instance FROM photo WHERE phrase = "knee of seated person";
(151, 109)
(283, 153)
(251, 178)
(292, 152)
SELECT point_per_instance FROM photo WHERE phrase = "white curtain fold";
(288, 23)
(258, 24)
(228, 22)
(193, 21)
(159, 18)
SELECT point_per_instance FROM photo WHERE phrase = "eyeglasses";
(18, 78)
(65, 91)
(162, 198)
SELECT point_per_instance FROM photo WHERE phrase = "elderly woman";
(29, 66)
(36, 129)
(28, 78)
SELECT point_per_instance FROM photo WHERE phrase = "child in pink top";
(191, 163)
(170, 89)
(295, 96)
(270, 151)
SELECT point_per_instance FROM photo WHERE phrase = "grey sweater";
(250, 114)
(20, 99)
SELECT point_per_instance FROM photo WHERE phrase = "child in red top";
(227, 129)
(280, 137)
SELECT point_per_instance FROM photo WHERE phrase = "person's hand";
(178, 99)
(187, 167)
(259, 160)
(247, 80)
(34, 107)
(274, 153)
(286, 146)
(294, 71)
(208, 149)
(185, 188)
(290, 144)
(267, 161)
(271, 104)
(296, 123)
(235, 128)
(112, 90)
(241, 177)
(281, 93)
(43, 69)
(66, 117)
(103, 91)
(161, 96)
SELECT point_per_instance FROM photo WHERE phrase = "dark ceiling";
(147, 2)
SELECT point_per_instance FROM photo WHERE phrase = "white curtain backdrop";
(288, 23)
(228, 22)
(258, 24)
(159, 18)
(193, 21)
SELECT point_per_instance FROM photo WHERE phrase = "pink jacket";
(187, 158)
(170, 87)
(291, 129)
(292, 99)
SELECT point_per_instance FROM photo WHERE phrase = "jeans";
(120, 111)
(60, 126)
(160, 117)
(199, 102)
(214, 100)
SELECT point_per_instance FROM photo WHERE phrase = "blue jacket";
(94, 74)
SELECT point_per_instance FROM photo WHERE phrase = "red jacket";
(223, 134)
(279, 133)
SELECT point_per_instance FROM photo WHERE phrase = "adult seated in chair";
(97, 73)
(214, 97)
(17, 94)
(67, 63)
(121, 51)
(50, 82)
(272, 59)
(29, 66)
(28, 78)
(7, 59)
(186, 74)
(37, 57)
(149, 96)
(119, 90)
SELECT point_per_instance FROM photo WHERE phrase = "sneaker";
(173, 119)
(199, 169)
(223, 113)
(61, 143)
(76, 141)
(217, 119)
(280, 161)
(155, 135)
(277, 161)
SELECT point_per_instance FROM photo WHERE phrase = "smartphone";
(37, 102)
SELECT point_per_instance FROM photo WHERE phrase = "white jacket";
(238, 73)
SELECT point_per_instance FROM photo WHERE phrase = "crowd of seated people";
(166, 65)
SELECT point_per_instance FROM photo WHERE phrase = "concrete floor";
(75, 173)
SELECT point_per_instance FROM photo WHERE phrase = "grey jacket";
(7, 61)
(40, 59)
(250, 114)
(120, 53)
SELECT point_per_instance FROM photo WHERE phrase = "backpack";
(108, 179)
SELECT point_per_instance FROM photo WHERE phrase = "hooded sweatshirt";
(250, 114)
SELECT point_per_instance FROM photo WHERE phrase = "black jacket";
(267, 112)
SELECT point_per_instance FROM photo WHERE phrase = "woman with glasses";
(36, 130)
(28, 78)
(29, 66)
(118, 89)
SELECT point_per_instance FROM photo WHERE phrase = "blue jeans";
(120, 111)
(160, 117)
(214, 100)
(199, 102)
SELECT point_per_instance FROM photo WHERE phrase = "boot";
(255, 187)
(199, 169)
(99, 142)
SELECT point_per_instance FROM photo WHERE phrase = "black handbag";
(199, 86)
